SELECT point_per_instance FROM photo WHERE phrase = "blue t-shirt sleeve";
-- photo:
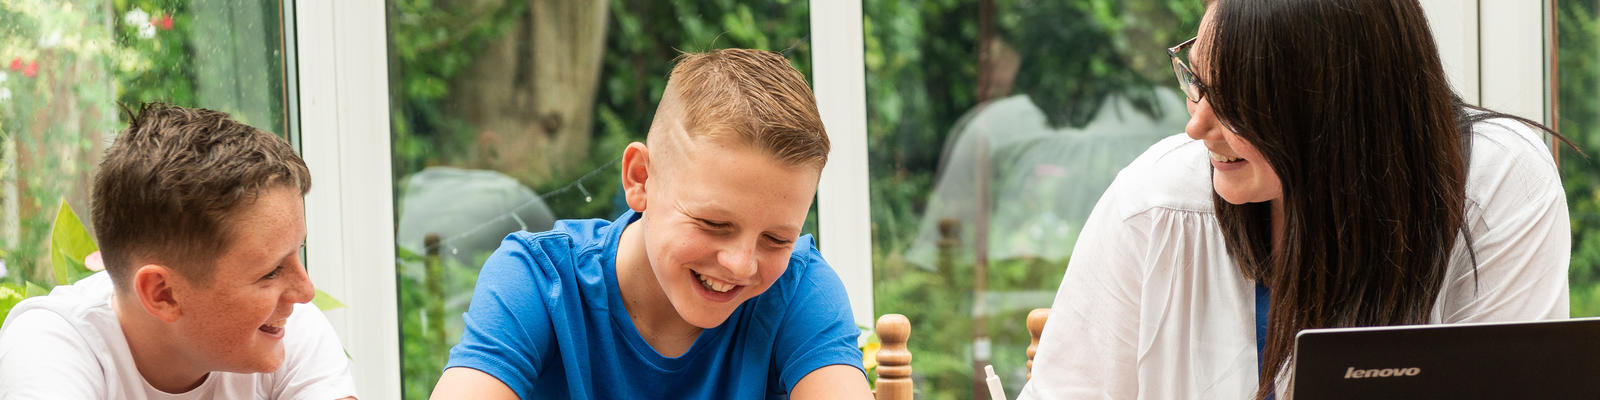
(818, 329)
(508, 329)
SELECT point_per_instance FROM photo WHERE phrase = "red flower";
(31, 70)
(16, 63)
(164, 22)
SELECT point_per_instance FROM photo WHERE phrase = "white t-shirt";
(1152, 306)
(69, 345)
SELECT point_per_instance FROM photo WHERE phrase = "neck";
(159, 360)
(648, 306)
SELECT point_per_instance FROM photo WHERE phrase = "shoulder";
(568, 236)
(310, 334)
(1172, 174)
(556, 251)
(80, 310)
(52, 349)
(809, 284)
(33, 329)
(316, 364)
(1509, 169)
(310, 325)
(808, 273)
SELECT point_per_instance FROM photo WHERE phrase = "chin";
(1229, 196)
(704, 319)
(266, 363)
(1237, 196)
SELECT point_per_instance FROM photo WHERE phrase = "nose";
(300, 289)
(1202, 122)
(739, 258)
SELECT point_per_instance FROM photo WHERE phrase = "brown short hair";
(168, 184)
(753, 95)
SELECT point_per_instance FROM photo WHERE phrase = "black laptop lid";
(1557, 359)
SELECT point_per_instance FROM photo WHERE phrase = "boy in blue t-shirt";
(705, 289)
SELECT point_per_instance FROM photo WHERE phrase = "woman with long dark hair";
(1329, 178)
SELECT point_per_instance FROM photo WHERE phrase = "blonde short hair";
(752, 96)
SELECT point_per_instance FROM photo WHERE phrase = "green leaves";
(70, 242)
(326, 302)
(9, 297)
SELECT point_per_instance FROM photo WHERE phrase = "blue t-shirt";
(548, 321)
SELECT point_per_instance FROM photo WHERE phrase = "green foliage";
(426, 332)
(1578, 23)
(922, 77)
(326, 302)
(70, 243)
(85, 57)
(431, 43)
(55, 42)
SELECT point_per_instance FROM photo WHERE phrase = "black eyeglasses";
(1192, 88)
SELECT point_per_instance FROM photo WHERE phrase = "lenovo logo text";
(1354, 373)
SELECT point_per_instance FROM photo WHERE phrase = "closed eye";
(714, 224)
(273, 274)
(779, 242)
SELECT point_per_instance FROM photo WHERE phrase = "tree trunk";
(530, 94)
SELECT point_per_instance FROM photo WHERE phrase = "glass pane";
(68, 64)
(510, 115)
(1578, 50)
(993, 126)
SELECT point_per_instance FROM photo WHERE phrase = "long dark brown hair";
(1349, 104)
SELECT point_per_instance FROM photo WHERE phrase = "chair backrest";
(1036, 320)
(894, 359)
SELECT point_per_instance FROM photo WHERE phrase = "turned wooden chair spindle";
(1036, 320)
(894, 359)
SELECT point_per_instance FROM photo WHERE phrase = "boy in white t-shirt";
(200, 220)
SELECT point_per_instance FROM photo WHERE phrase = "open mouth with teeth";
(1224, 159)
(274, 328)
(713, 284)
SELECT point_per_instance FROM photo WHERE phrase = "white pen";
(995, 392)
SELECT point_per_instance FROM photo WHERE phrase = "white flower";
(3, 271)
(136, 18)
(147, 30)
(2, 77)
(51, 40)
(5, 95)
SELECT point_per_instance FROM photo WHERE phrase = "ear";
(635, 171)
(154, 286)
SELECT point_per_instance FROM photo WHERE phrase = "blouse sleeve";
(1520, 233)
(1088, 348)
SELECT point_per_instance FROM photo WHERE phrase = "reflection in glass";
(510, 115)
(993, 127)
(66, 65)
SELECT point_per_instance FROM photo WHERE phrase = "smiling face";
(1240, 174)
(721, 222)
(235, 322)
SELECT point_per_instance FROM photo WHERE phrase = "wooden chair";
(1036, 320)
(894, 359)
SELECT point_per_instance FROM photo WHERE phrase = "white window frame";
(342, 66)
(843, 219)
(342, 70)
(1494, 52)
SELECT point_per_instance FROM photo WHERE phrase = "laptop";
(1558, 359)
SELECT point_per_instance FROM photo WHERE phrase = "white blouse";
(1152, 306)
